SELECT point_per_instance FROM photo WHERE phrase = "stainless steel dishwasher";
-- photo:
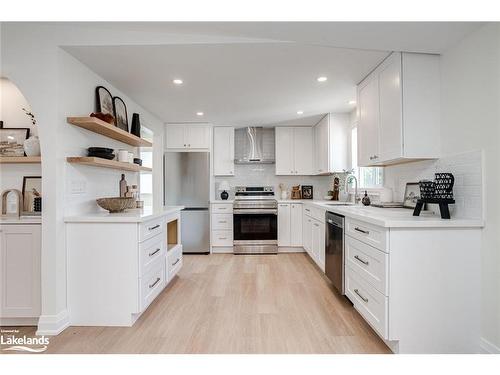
(334, 243)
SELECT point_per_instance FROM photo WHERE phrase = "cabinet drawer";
(151, 228)
(222, 208)
(315, 212)
(222, 222)
(222, 238)
(368, 233)
(152, 284)
(370, 263)
(152, 251)
(174, 262)
(369, 302)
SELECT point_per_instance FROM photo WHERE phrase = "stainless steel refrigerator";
(187, 183)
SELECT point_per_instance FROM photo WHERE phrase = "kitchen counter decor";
(438, 192)
(116, 204)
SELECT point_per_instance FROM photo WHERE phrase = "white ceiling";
(257, 83)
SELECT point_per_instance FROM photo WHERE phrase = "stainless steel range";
(255, 220)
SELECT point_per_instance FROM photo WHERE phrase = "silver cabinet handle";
(365, 262)
(177, 261)
(361, 230)
(308, 210)
(360, 295)
(189, 145)
(222, 238)
(222, 221)
(151, 286)
(185, 145)
(154, 252)
(316, 224)
(154, 227)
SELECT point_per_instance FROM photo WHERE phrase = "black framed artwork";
(103, 101)
(12, 141)
(32, 193)
(120, 113)
(307, 191)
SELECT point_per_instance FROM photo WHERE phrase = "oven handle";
(254, 211)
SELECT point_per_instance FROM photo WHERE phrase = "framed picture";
(120, 113)
(412, 194)
(103, 100)
(32, 194)
(307, 191)
(11, 141)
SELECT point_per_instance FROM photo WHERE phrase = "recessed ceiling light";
(300, 112)
(199, 113)
(322, 79)
(177, 81)
(352, 102)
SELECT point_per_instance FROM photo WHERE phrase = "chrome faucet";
(347, 180)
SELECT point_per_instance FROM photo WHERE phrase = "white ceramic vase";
(32, 146)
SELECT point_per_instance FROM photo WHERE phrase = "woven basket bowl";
(116, 204)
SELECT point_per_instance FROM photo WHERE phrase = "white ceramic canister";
(123, 156)
(32, 146)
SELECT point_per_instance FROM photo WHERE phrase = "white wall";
(470, 120)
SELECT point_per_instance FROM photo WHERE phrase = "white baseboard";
(286, 249)
(52, 325)
(488, 347)
(18, 322)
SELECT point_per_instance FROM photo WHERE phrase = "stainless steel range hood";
(254, 145)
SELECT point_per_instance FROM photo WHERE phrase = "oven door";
(255, 226)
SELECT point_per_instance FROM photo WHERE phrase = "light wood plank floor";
(236, 304)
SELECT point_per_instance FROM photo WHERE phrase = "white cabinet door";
(303, 150)
(295, 225)
(284, 151)
(321, 145)
(198, 136)
(284, 225)
(315, 242)
(368, 125)
(223, 152)
(307, 233)
(390, 99)
(174, 135)
(321, 249)
(20, 271)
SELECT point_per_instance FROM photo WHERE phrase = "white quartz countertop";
(21, 220)
(396, 217)
(129, 216)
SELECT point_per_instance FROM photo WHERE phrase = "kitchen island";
(119, 263)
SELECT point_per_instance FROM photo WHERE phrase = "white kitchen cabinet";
(294, 150)
(222, 230)
(295, 225)
(331, 136)
(399, 116)
(290, 225)
(223, 151)
(307, 233)
(188, 137)
(284, 225)
(20, 246)
(314, 234)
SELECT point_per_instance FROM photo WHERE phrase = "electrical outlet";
(78, 187)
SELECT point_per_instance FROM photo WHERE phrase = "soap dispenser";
(366, 199)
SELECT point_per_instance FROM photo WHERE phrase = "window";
(146, 178)
(368, 177)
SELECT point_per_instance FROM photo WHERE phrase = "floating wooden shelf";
(100, 127)
(104, 163)
(20, 159)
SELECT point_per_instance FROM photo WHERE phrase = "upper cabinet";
(223, 151)
(294, 150)
(187, 137)
(330, 144)
(398, 106)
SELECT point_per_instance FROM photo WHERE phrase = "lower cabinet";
(221, 227)
(313, 234)
(290, 224)
(115, 270)
(20, 246)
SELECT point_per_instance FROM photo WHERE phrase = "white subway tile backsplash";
(467, 170)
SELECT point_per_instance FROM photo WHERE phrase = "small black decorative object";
(37, 204)
(224, 195)
(138, 161)
(439, 191)
(103, 100)
(136, 125)
(366, 199)
(120, 113)
(101, 152)
(307, 191)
